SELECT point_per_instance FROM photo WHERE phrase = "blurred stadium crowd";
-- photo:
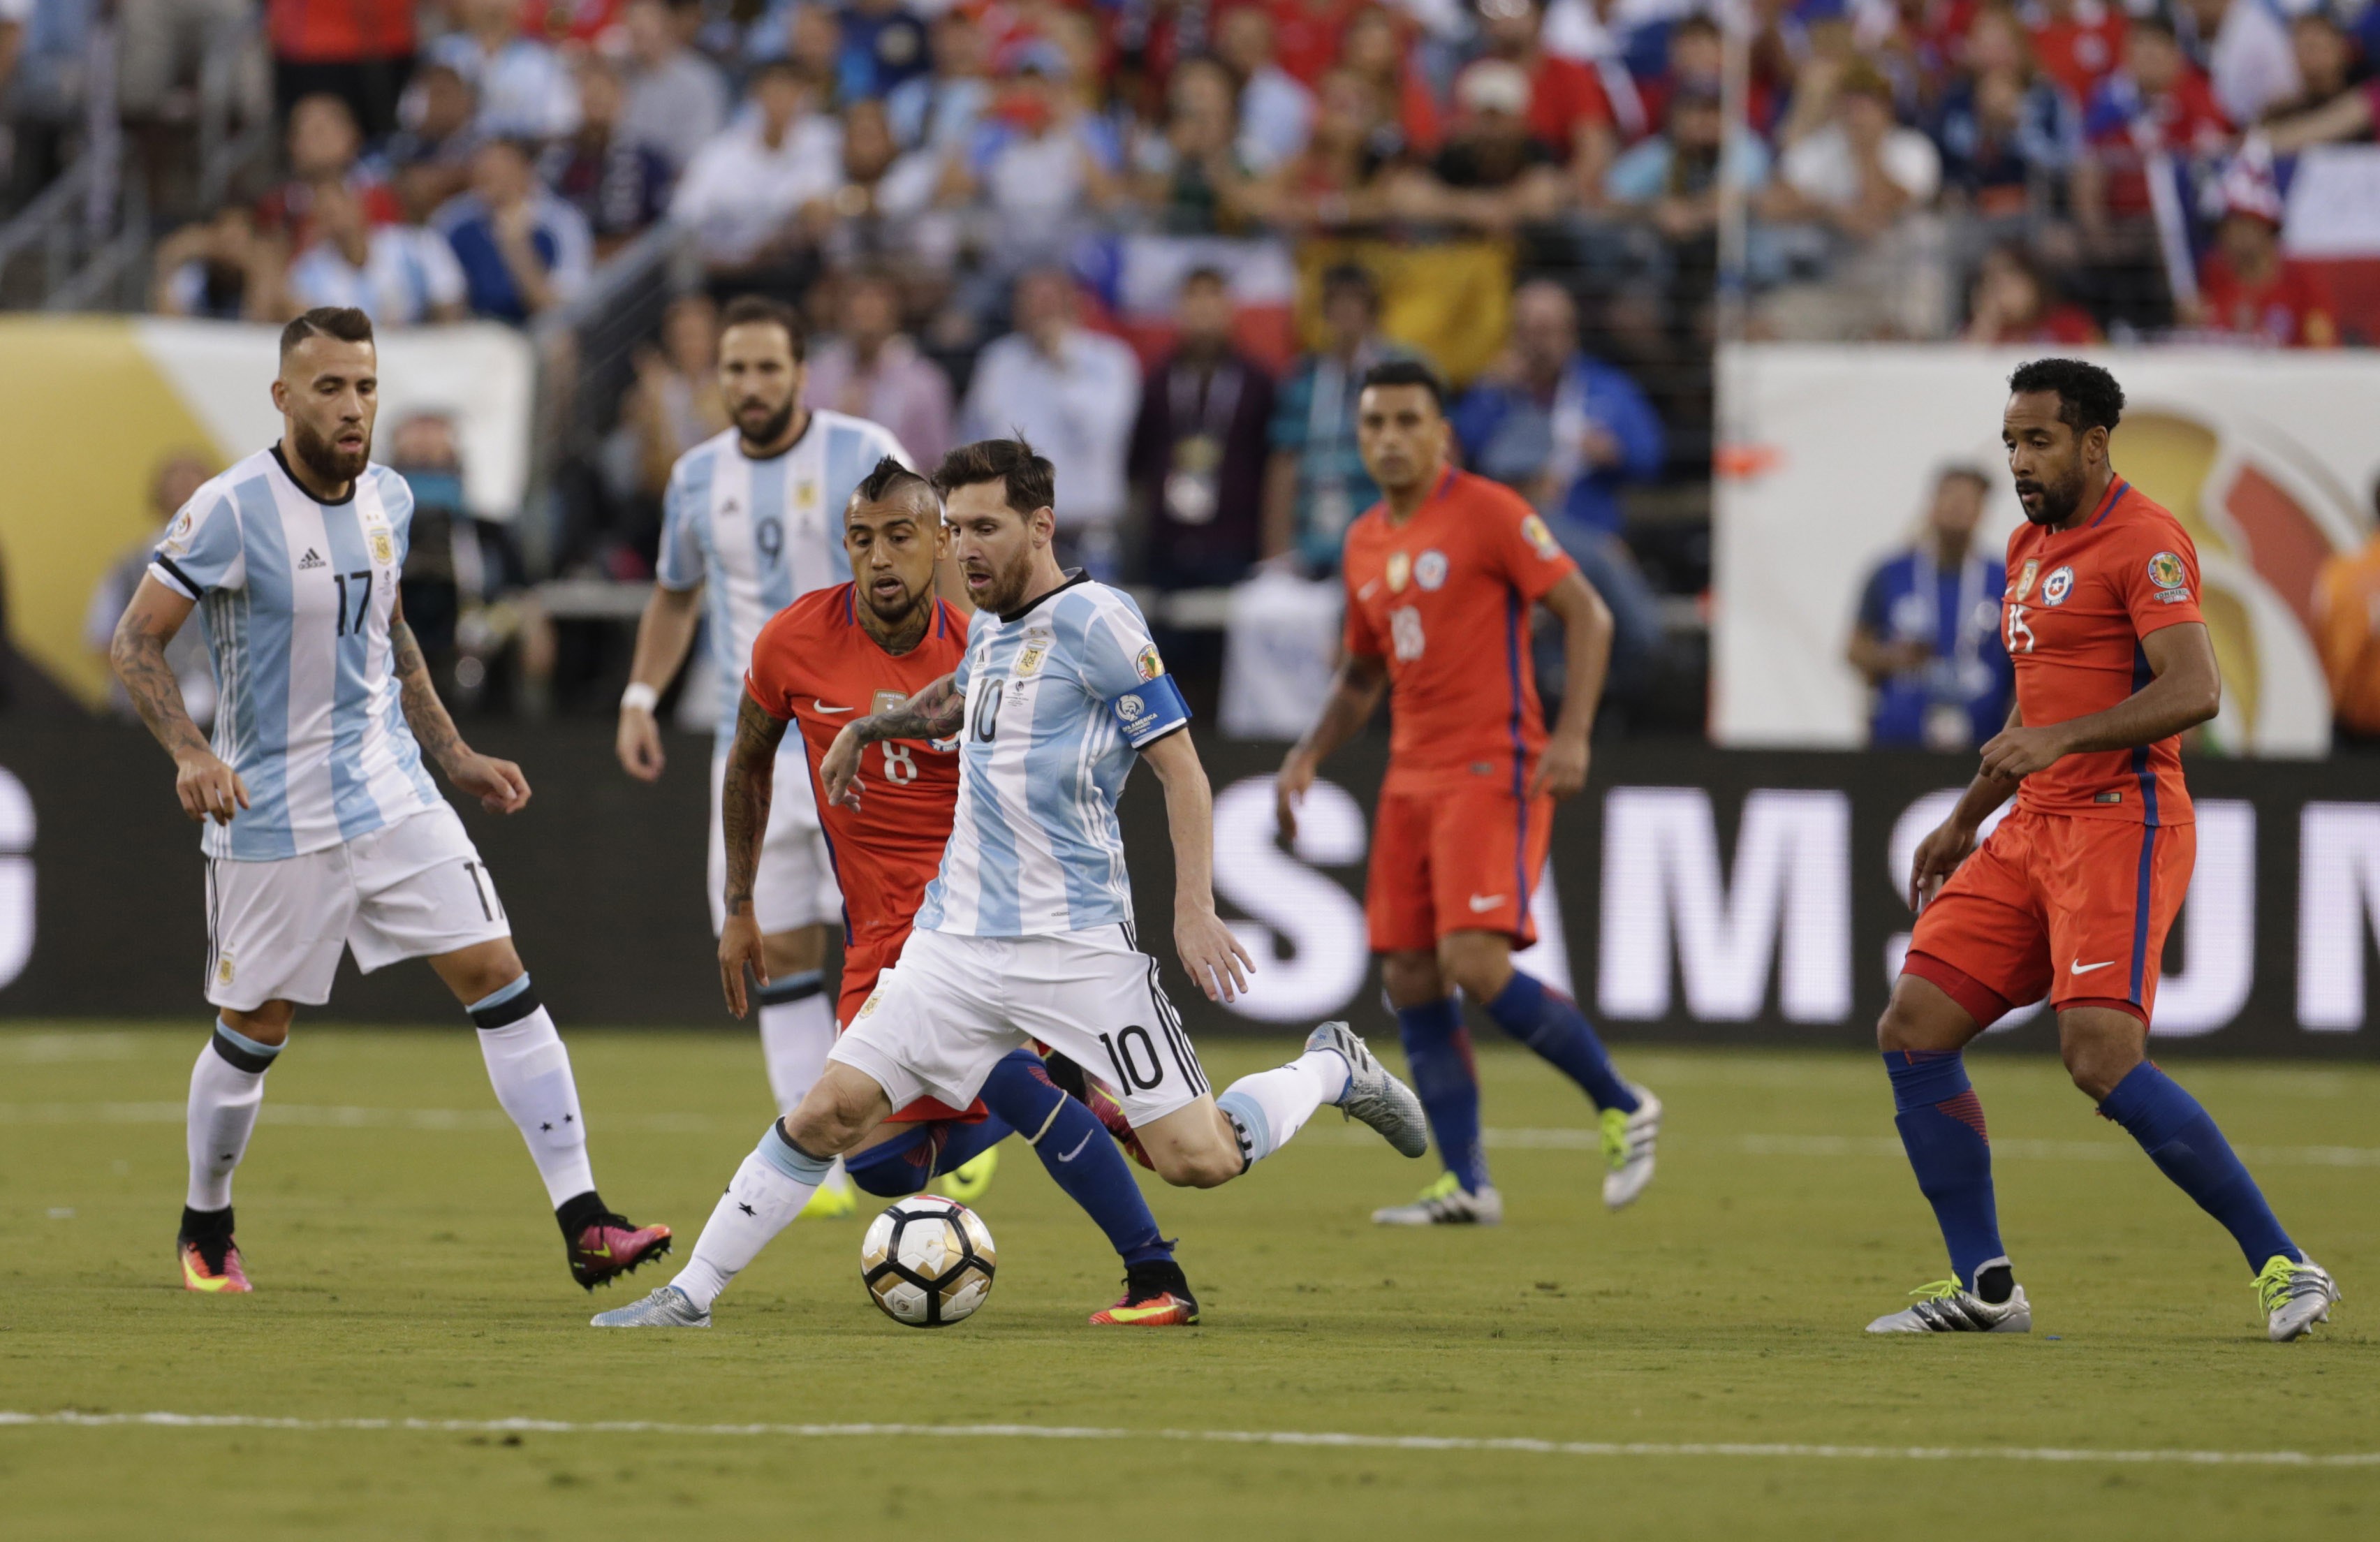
(949, 192)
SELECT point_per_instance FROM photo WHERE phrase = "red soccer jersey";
(1444, 597)
(2079, 602)
(814, 665)
(2289, 308)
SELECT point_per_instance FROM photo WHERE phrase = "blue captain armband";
(1150, 710)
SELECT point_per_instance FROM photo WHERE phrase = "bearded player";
(858, 648)
(751, 521)
(1441, 576)
(322, 830)
(1026, 932)
(2071, 895)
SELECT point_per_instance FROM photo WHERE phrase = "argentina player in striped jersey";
(1026, 932)
(752, 520)
(322, 829)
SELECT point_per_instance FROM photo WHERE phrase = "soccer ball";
(927, 1261)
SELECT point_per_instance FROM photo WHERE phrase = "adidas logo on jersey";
(311, 561)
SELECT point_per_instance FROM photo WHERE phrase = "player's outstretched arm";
(664, 635)
(498, 784)
(932, 713)
(2185, 689)
(1214, 957)
(744, 795)
(1354, 695)
(207, 787)
(1586, 660)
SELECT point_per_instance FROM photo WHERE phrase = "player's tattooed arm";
(207, 788)
(498, 784)
(746, 794)
(932, 713)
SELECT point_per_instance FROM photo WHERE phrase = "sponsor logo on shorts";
(2081, 969)
(1399, 571)
(1131, 708)
(1429, 569)
(2167, 572)
(2058, 585)
(1483, 903)
(1532, 531)
(1147, 662)
(2024, 579)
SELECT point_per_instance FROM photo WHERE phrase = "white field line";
(1521, 1445)
(337, 1117)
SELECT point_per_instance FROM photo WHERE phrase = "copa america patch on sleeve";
(1149, 713)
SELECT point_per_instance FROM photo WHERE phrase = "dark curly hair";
(2088, 397)
(889, 477)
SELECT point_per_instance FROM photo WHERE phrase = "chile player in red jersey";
(845, 651)
(1441, 576)
(2071, 895)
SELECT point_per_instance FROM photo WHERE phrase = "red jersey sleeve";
(1522, 550)
(2159, 581)
(1361, 639)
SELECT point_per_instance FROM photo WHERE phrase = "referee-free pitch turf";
(1691, 1368)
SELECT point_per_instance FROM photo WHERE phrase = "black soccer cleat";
(1155, 1296)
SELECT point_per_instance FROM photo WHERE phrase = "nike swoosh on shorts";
(1484, 902)
(2081, 969)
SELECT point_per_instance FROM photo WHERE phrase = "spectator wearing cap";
(871, 369)
(940, 108)
(1492, 174)
(2246, 288)
(1277, 111)
(399, 274)
(1198, 449)
(676, 99)
(1315, 480)
(1567, 432)
(743, 190)
(2013, 301)
(525, 88)
(523, 249)
(619, 187)
(1564, 106)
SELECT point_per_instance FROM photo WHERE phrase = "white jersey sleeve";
(204, 549)
(681, 563)
(1122, 667)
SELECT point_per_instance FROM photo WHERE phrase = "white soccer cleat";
(1446, 1203)
(1628, 1141)
(666, 1308)
(1373, 1096)
(2295, 1295)
(1947, 1306)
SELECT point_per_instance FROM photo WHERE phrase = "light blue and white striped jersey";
(1061, 697)
(297, 596)
(763, 533)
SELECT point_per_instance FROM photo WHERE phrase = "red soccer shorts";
(862, 963)
(1461, 858)
(2073, 909)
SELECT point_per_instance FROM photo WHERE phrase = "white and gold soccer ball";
(927, 1261)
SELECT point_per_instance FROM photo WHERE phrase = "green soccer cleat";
(967, 1181)
(1446, 1203)
(1628, 1141)
(2295, 1295)
(835, 1201)
(1947, 1306)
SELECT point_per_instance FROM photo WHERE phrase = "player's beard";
(326, 460)
(900, 614)
(770, 432)
(2059, 499)
(1007, 587)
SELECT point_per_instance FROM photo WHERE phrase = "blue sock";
(1437, 1050)
(1081, 1157)
(1550, 1023)
(905, 1163)
(2181, 1139)
(1941, 1124)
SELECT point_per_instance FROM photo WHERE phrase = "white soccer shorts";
(942, 1017)
(411, 890)
(796, 885)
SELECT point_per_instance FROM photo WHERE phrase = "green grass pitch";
(407, 1270)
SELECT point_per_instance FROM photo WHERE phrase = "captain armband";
(1150, 710)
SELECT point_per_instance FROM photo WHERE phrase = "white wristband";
(640, 697)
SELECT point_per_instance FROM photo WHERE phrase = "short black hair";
(1351, 275)
(1028, 480)
(1207, 273)
(888, 478)
(342, 321)
(1407, 371)
(2088, 397)
(762, 311)
(1964, 471)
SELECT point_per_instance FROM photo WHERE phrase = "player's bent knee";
(1202, 1169)
(267, 1024)
(1412, 978)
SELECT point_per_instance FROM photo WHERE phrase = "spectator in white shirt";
(1076, 394)
(525, 88)
(1276, 111)
(743, 190)
(677, 99)
(399, 274)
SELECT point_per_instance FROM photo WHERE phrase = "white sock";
(797, 1031)
(227, 1090)
(531, 1071)
(1271, 1106)
(762, 1200)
